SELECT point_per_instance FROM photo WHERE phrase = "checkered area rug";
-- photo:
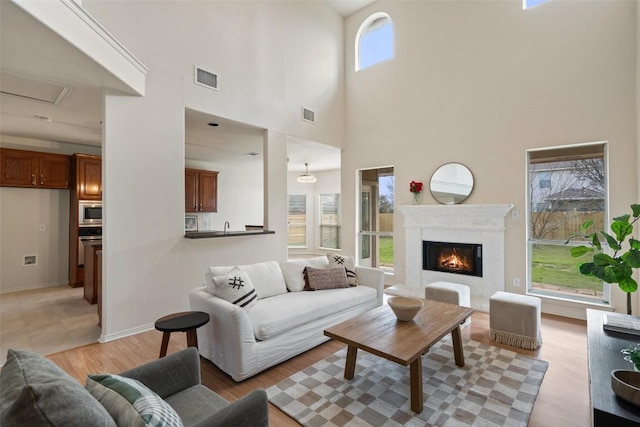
(496, 387)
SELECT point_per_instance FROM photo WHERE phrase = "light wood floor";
(563, 399)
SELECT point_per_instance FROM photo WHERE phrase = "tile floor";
(46, 320)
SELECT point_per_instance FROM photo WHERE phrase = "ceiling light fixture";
(306, 178)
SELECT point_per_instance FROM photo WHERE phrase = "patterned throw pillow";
(130, 403)
(317, 279)
(235, 287)
(336, 260)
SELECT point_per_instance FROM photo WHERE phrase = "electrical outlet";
(516, 282)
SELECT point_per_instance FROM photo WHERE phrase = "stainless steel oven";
(87, 233)
(89, 213)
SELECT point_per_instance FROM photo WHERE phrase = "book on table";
(623, 324)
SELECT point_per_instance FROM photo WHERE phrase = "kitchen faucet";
(226, 225)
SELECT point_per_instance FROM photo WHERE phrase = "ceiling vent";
(308, 115)
(33, 89)
(206, 78)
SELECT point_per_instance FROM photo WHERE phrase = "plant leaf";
(595, 241)
(622, 228)
(578, 251)
(635, 208)
(587, 269)
(632, 258)
(604, 259)
(635, 244)
(628, 285)
(613, 243)
(609, 275)
(586, 225)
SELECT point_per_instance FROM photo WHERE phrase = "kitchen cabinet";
(91, 270)
(33, 169)
(86, 184)
(88, 176)
(200, 190)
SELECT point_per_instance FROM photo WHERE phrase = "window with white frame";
(566, 186)
(297, 220)
(330, 221)
(374, 41)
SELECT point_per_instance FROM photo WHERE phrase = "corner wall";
(481, 82)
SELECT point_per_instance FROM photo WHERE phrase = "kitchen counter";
(232, 233)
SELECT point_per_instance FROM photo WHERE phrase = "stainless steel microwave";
(89, 213)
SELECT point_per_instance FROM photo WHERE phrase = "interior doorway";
(375, 228)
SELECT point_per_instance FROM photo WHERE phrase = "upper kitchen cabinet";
(200, 190)
(21, 168)
(88, 176)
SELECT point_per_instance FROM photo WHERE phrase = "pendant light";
(306, 178)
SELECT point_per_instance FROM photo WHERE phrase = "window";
(566, 187)
(528, 4)
(374, 41)
(376, 219)
(330, 221)
(297, 220)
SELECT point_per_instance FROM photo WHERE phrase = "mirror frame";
(456, 198)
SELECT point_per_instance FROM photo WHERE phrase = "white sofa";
(285, 321)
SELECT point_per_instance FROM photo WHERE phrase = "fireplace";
(456, 258)
(478, 224)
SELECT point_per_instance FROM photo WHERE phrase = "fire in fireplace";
(457, 258)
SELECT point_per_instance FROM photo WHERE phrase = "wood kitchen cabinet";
(86, 184)
(33, 169)
(88, 176)
(200, 190)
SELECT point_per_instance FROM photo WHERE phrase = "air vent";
(308, 115)
(30, 260)
(206, 78)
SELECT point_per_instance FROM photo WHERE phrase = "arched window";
(374, 41)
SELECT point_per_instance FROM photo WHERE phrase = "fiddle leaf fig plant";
(615, 268)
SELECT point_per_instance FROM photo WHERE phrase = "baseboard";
(126, 333)
(31, 287)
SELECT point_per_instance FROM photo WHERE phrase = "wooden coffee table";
(379, 332)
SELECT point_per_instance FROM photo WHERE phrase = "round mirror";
(451, 183)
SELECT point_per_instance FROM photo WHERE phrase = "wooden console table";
(605, 356)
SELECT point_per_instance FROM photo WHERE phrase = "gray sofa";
(36, 392)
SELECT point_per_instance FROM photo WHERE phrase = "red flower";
(415, 187)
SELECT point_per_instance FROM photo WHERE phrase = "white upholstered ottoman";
(514, 320)
(452, 293)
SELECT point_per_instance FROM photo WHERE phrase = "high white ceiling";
(32, 56)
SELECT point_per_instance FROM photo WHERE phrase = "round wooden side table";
(186, 321)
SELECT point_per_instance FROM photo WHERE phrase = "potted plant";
(632, 354)
(616, 268)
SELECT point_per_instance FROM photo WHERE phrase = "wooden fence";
(560, 225)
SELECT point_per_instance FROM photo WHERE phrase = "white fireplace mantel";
(478, 224)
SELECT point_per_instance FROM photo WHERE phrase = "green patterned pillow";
(130, 403)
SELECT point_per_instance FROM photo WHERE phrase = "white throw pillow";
(336, 260)
(266, 278)
(293, 271)
(235, 287)
(214, 272)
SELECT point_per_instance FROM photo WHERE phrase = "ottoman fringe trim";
(515, 340)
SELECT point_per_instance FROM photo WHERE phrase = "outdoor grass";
(554, 265)
(386, 251)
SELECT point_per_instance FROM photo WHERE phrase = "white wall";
(480, 83)
(272, 58)
(22, 213)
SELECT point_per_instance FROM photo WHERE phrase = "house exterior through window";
(566, 186)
